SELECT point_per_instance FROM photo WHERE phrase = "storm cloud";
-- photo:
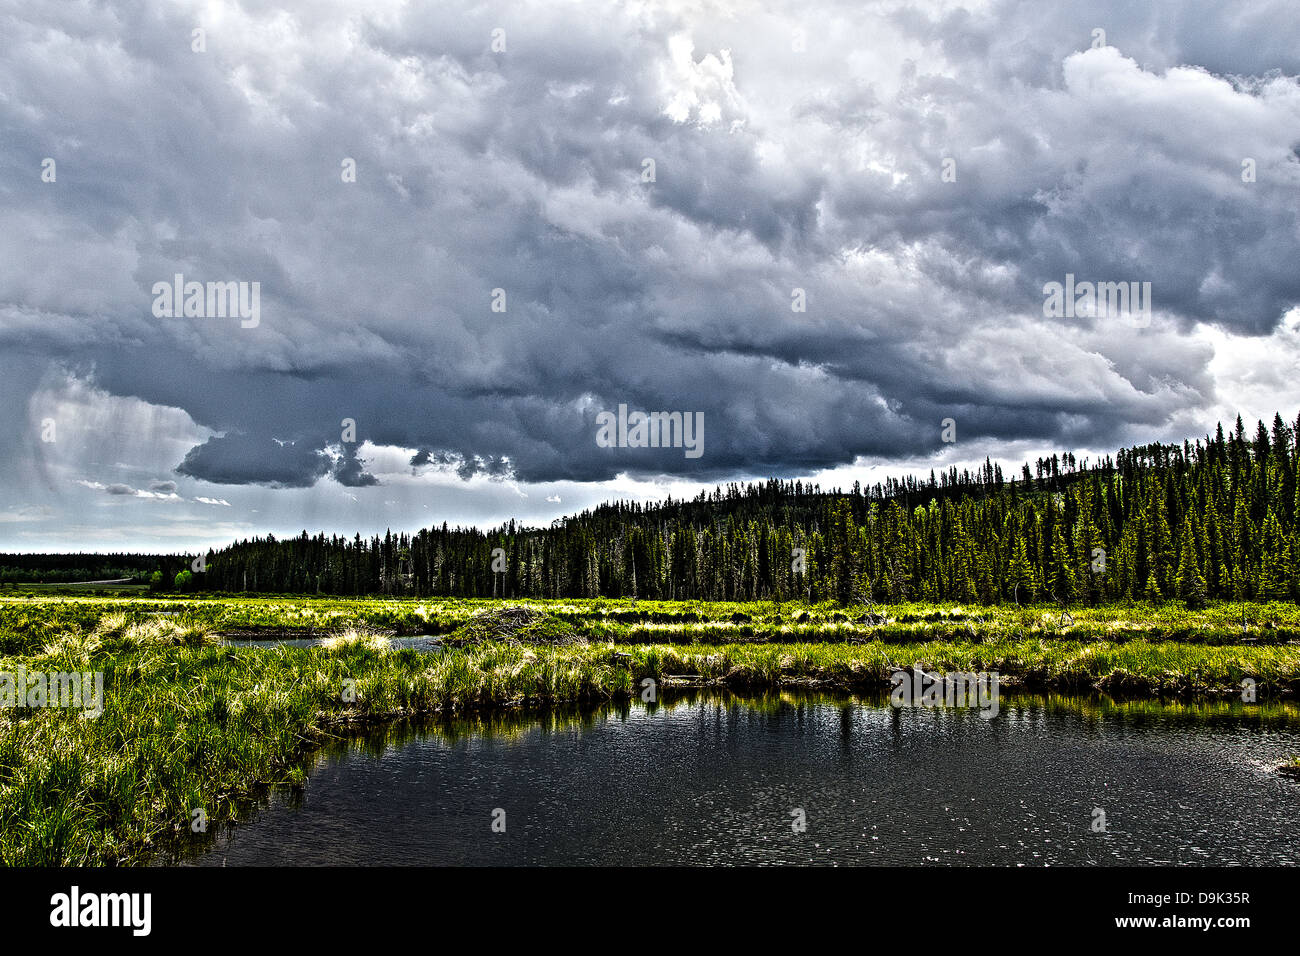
(853, 212)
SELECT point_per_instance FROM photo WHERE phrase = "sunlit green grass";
(24, 619)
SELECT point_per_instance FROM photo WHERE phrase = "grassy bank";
(26, 619)
(191, 723)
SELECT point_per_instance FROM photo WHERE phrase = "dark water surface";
(714, 780)
(420, 642)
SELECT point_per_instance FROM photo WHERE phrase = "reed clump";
(516, 624)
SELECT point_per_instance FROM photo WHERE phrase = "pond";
(717, 779)
(420, 642)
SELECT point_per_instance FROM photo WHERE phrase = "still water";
(708, 779)
(424, 643)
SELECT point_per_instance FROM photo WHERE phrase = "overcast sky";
(919, 170)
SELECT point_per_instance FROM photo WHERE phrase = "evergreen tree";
(1061, 580)
(1275, 571)
(1191, 582)
(1021, 575)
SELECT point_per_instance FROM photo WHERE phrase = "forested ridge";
(1205, 520)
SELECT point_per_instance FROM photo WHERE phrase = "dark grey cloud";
(521, 171)
(350, 471)
(238, 459)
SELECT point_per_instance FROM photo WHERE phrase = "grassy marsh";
(192, 722)
(25, 617)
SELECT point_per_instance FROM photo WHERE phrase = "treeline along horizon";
(1211, 520)
(67, 568)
